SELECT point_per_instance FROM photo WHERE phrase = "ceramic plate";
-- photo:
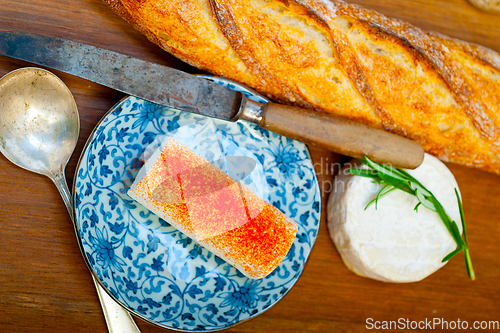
(148, 266)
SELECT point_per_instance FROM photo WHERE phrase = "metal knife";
(173, 88)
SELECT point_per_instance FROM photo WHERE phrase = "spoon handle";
(117, 318)
(59, 180)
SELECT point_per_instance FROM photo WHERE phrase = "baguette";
(341, 59)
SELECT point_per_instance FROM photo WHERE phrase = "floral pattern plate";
(151, 268)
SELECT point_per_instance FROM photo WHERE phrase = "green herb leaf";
(451, 255)
(468, 264)
(423, 200)
(458, 237)
(386, 189)
(363, 173)
(393, 178)
(461, 209)
(384, 171)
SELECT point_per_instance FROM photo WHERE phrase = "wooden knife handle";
(341, 136)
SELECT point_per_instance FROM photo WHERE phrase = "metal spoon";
(39, 127)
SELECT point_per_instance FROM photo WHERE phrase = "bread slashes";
(341, 59)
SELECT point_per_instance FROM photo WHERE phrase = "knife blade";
(176, 89)
(149, 81)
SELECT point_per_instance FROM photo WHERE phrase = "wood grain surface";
(45, 285)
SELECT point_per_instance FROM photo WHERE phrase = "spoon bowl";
(39, 128)
(39, 122)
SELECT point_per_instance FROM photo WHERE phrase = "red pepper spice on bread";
(219, 213)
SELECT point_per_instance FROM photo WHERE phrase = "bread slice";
(341, 59)
(219, 213)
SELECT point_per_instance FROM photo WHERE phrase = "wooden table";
(45, 285)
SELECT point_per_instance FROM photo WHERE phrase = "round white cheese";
(392, 242)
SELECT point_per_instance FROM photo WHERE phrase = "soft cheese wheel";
(392, 242)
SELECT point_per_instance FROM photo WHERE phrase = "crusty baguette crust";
(341, 59)
(492, 6)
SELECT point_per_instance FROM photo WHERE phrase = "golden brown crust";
(492, 6)
(342, 59)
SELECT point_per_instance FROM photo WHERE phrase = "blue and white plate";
(148, 266)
